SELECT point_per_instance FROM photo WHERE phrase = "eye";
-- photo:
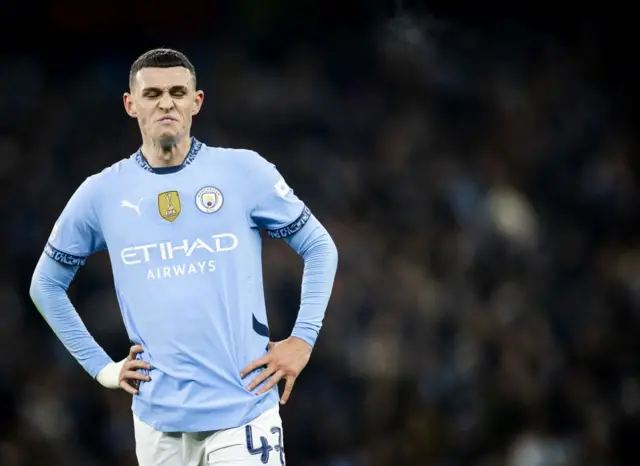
(151, 93)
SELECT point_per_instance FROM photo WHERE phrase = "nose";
(166, 102)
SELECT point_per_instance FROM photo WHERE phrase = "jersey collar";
(188, 160)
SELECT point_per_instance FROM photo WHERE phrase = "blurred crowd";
(484, 202)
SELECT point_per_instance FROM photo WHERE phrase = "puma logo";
(135, 207)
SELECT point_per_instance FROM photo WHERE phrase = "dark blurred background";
(477, 170)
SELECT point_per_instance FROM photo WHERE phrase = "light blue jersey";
(185, 248)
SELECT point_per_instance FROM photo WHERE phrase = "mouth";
(167, 120)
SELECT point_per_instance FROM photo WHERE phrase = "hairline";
(132, 77)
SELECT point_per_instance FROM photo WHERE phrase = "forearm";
(314, 244)
(49, 294)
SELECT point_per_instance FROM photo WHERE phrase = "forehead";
(163, 77)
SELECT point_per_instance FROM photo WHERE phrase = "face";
(164, 101)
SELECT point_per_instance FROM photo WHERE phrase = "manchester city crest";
(209, 200)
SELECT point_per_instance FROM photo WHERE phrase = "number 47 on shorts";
(265, 449)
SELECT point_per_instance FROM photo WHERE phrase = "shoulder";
(115, 171)
(118, 169)
(97, 183)
(243, 159)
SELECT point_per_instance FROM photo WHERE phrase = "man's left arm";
(284, 216)
(316, 247)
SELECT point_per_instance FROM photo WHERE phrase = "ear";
(199, 99)
(129, 105)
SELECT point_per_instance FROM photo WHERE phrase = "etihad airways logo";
(198, 249)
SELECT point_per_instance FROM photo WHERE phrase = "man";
(181, 222)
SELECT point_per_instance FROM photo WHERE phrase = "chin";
(168, 139)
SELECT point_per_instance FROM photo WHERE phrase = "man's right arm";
(48, 290)
(76, 235)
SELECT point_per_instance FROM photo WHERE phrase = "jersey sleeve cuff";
(109, 375)
(307, 335)
(293, 227)
(63, 257)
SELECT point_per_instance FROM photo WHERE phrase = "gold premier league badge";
(169, 205)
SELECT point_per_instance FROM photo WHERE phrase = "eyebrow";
(160, 90)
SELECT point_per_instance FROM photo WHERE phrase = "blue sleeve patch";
(63, 257)
(293, 227)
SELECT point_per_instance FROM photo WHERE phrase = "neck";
(159, 155)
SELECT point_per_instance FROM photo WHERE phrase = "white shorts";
(258, 443)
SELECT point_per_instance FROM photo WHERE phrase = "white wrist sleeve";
(109, 376)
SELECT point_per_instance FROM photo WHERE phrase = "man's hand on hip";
(284, 360)
(124, 374)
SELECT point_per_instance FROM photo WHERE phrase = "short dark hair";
(160, 58)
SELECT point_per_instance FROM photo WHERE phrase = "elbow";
(326, 247)
(315, 241)
(35, 288)
(48, 277)
(333, 252)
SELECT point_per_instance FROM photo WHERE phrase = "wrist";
(307, 335)
(109, 376)
(303, 341)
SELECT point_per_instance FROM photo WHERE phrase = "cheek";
(186, 108)
(144, 115)
(143, 108)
